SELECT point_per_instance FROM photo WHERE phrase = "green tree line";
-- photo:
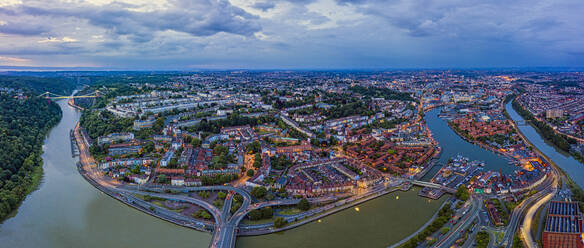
(38, 85)
(23, 127)
(546, 131)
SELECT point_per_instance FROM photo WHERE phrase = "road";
(541, 200)
(465, 221)
(526, 226)
(431, 185)
(546, 190)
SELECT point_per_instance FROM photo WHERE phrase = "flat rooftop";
(563, 217)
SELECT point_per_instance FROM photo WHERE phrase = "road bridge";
(432, 185)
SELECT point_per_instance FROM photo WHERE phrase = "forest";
(386, 93)
(232, 120)
(57, 85)
(349, 109)
(24, 124)
(100, 123)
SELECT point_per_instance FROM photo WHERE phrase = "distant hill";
(57, 85)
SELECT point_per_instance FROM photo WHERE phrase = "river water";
(378, 223)
(66, 211)
(452, 144)
(571, 166)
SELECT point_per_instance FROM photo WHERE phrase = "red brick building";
(563, 227)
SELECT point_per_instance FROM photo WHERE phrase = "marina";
(74, 146)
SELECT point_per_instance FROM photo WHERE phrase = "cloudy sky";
(265, 34)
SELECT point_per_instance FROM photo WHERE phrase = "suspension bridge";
(53, 96)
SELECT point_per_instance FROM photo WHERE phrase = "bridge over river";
(432, 185)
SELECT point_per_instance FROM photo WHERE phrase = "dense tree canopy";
(259, 192)
(23, 126)
(100, 123)
(38, 85)
(303, 204)
(386, 93)
(462, 193)
(232, 120)
(281, 162)
(348, 109)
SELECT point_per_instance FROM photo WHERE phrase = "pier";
(74, 147)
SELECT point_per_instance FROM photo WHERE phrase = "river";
(66, 211)
(452, 144)
(378, 223)
(571, 166)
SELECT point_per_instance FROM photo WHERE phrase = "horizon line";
(4, 69)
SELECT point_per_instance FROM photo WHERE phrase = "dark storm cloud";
(297, 33)
(345, 2)
(264, 6)
(20, 28)
(197, 18)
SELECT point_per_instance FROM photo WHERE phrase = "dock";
(431, 193)
(74, 147)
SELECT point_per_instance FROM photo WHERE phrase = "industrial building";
(563, 227)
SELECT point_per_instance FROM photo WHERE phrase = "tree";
(280, 222)
(158, 124)
(462, 193)
(257, 163)
(482, 239)
(204, 194)
(221, 195)
(218, 203)
(250, 173)
(238, 198)
(220, 149)
(206, 215)
(149, 147)
(267, 212)
(162, 178)
(196, 142)
(303, 204)
(253, 147)
(235, 206)
(255, 214)
(24, 124)
(280, 162)
(258, 192)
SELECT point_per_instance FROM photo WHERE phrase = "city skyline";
(308, 34)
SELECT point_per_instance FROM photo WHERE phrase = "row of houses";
(123, 149)
(114, 138)
(128, 162)
(306, 183)
(244, 133)
(352, 122)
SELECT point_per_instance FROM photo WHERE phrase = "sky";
(291, 34)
